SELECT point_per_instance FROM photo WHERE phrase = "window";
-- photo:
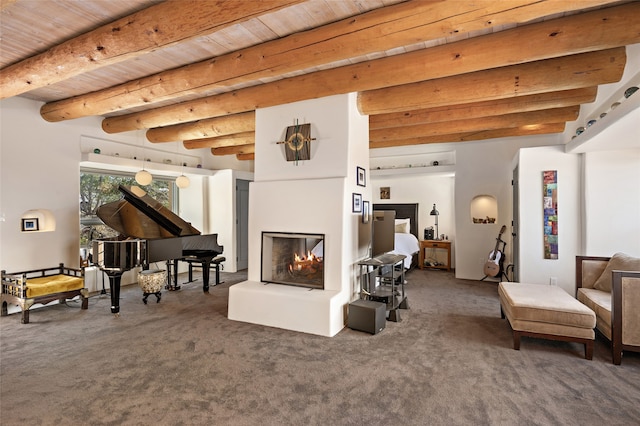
(98, 188)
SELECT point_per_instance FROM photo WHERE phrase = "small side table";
(435, 244)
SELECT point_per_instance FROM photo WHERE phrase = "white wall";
(533, 267)
(480, 168)
(220, 211)
(612, 202)
(425, 190)
(313, 196)
(39, 168)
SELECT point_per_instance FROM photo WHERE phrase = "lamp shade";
(182, 181)
(434, 212)
(143, 177)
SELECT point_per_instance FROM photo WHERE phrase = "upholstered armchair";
(611, 288)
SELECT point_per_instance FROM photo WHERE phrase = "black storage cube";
(367, 315)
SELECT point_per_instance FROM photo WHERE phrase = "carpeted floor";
(181, 361)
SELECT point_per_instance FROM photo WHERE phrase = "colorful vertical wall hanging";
(550, 203)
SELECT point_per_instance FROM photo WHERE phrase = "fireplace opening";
(293, 259)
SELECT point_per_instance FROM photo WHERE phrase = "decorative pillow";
(403, 226)
(618, 262)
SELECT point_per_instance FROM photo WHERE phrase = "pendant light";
(143, 177)
(181, 181)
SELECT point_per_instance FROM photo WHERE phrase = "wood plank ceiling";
(425, 71)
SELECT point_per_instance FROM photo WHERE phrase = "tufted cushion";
(53, 284)
(618, 262)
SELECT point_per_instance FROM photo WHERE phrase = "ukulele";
(493, 265)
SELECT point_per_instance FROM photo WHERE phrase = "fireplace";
(293, 259)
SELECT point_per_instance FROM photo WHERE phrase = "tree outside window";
(98, 188)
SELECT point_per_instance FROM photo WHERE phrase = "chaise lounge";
(546, 312)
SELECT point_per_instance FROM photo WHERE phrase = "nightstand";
(435, 244)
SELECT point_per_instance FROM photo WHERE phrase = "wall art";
(361, 177)
(385, 193)
(357, 203)
(550, 206)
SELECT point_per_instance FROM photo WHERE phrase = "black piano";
(149, 232)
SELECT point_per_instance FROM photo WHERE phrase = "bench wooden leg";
(588, 350)
(516, 340)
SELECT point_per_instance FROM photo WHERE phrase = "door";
(242, 224)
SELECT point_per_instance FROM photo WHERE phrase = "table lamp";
(435, 213)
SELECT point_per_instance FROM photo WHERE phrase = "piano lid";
(139, 215)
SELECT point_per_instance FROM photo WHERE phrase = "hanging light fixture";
(143, 177)
(182, 181)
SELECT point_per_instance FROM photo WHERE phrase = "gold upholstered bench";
(26, 288)
(546, 312)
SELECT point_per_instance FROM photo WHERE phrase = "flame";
(309, 258)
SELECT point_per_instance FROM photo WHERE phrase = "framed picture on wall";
(357, 203)
(361, 176)
(385, 193)
(30, 224)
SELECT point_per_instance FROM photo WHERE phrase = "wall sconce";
(435, 213)
(37, 220)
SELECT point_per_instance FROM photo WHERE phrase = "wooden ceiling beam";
(245, 157)
(548, 39)
(570, 72)
(554, 115)
(246, 138)
(155, 27)
(474, 136)
(379, 30)
(526, 103)
(234, 150)
(207, 128)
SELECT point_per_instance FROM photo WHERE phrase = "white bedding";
(406, 244)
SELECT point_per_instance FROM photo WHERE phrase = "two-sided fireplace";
(293, 259)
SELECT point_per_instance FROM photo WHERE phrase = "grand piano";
(149, 232)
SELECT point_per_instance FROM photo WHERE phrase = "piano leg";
(172, 276)
(114, 285)
(206, 264)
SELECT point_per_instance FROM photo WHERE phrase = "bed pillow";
(403, 226)
(618, 262)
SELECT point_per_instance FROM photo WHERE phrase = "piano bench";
(215, 262)
(27, 288)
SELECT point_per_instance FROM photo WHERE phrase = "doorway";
(242, 224)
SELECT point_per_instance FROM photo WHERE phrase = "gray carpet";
(180, 361)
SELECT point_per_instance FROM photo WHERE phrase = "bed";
(405, 242)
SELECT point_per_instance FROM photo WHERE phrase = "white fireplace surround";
(312, 197)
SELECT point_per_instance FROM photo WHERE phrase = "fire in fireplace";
(293, 259)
